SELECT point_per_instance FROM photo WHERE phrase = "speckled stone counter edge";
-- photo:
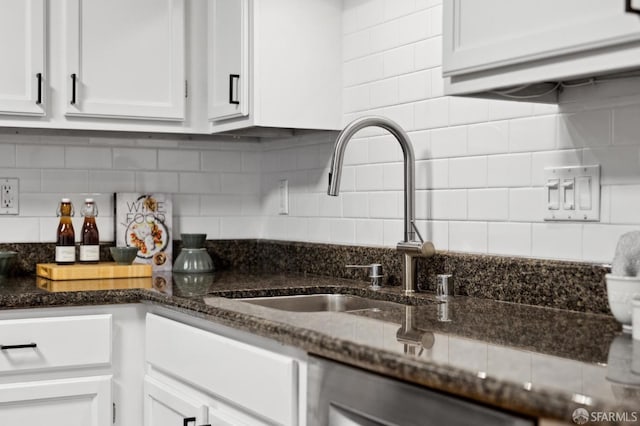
(551, 283)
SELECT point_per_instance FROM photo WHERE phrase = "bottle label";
(65, 253)
(89, 253)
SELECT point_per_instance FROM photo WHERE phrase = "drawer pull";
(74, 82)
(188, 420)
(233, 78)
(25, 345)
(39, 78)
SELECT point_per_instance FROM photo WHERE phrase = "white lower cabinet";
(78, 366)
(166, 406)
(79, 401)
(238, 383)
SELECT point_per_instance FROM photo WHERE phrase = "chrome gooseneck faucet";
(409, 247)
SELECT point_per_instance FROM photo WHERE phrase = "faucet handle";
(375, 273)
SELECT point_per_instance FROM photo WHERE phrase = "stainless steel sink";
(320, 303)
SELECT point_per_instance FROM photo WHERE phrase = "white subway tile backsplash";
(449, 142)
(469, 172)
(432, 113)
(435, 231)
(510, 170)
(355, 204)
(555, 240)
(488, 138)
(65, 180)
(625, 125)
(384, 93)
(414, 87)
(395, 9)
(330, 206)
(356, 98)
(178, 160)
(251, 161)
(111, 181)
(221, 161)
(428, 53)
(532, 134)
(240, 183)
(468, 236)
(220, 205)
(513, 239)
(464, 110)
(135, 158)
(527, 204)
(199, 183)
(319, 229)
(393, 176)
(393, 232)
(29, 180)
(369, 178)
(488, 204)
(197, 224)
(600, 240)
(504, 109)
(384, 205)
(84, 157)
(7, 155)
(355, 45)
(625, 204)
(21, 229)
(157, 182)
(446, 204)
(369, 232)
(618, 165)
(398, 61)
(384, 149)
(185, 205)
(432, 174)
(421, 142)
(343, 231)
(39, 156)
(437, 82)
(305, 204)
(584, 128)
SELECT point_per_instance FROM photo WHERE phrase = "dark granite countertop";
(538, 361)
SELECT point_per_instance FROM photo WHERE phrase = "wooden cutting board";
(78, 271)
(94, 284)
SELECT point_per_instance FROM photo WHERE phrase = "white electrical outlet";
(9, 196)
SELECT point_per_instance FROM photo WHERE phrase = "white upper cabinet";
(125, 59)
(275, 64)
(229, 61)
(497, 44)
(22, 74)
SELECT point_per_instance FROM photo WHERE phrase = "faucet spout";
(408, 246)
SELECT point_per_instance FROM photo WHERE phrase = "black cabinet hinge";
(186, 88)
(114, 413)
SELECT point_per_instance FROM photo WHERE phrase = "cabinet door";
(125, 58)
(84, 401)
(22, 51)
(228, 59)
(165, 406)
(494, 33)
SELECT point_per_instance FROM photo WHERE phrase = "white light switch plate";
(578, 196)
(283, 190)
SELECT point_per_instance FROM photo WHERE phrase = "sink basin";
(320, 303)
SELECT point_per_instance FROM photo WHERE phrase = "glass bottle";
(90, 238)
(66, 237)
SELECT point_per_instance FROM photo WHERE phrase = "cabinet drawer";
(51, 343)
(256, 379)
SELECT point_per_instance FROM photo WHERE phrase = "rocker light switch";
(553, 194)
(568, 194)
(583, 188)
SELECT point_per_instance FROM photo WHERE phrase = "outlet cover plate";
(9, 196)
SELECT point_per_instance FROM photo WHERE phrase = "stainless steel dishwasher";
(339, 395)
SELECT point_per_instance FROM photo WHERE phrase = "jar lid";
(65, 200)
(88, 200)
